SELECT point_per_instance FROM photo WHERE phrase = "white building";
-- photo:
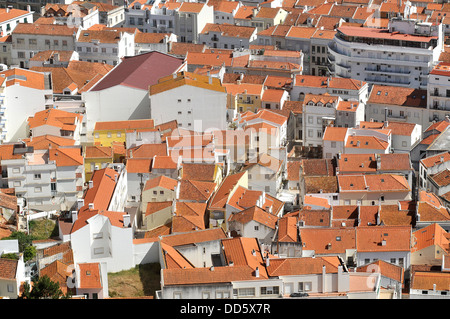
(190, 19)
(106, 46)
(22, 94)
(227, 36)
(347, 89)
(103, 237)
(438, 92)
(47, 179)
(123, 93)
(190, 99)
(30, 38)
(10, 18)
(403, 56)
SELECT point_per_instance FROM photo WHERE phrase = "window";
(38, 189)
(16, 183)
(97, 235)
(274, 290)
(256, 228)
(64, 43)
(205, 295)
(96, 135)
(177, 295)
(21, 55)
(37, 176)
(10, 288)
(98, 251)
(393, 260)
(304, 286)
(244, 292)
(55, 42)
(108, 134)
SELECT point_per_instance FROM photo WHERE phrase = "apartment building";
(190, 19)
(104, 46)
(319, 111)
(190, 99)
(227, 36)
(10, 18)
(438, 92)
(355, 141)
(22, 94)
(398, 104)
(30, 38)
(124, 90)
(47, 178)
(402, 55)
(348, 89)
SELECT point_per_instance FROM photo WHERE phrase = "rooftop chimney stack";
(126, 220)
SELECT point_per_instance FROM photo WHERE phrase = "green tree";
(29, 253)
(43, 288)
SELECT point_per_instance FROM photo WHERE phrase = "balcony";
(387, 82)
(392, 72)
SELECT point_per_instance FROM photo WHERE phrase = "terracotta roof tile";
(383, 238)
(89, 276)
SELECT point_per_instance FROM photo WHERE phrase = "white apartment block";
(402, 56)
(190, 19)
(347, 89)
(10, 18)
(227, 36)
(191, 99)
(104, 46)
(22, 94)
(47, 179)
(438, 92)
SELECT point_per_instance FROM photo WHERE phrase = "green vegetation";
(43, 228)
(39, 229)
(43, 288)
(140, 281)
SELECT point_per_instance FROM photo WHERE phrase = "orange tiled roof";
(229, 30)
(89, 276)
(254, 214)
(66, 156)
(383, 238)
(186, 78)
(287, 229)
(124, 125)
(435, 159)
(301, 266)
(161, 181)
(318, 239)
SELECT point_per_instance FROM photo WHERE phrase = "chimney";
(257, 272)
(231, 263)
(28, 8)
(91, 184)
(211, 268)
(267, 261)
(91, 206)
(209, 77)
(74, 216)
(80, 203)
(126, 220)
(7, 9)
(253, 252)
(383, 242)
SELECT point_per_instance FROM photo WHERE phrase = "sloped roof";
(140, 71)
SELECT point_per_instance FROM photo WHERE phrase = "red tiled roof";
(140, 71)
